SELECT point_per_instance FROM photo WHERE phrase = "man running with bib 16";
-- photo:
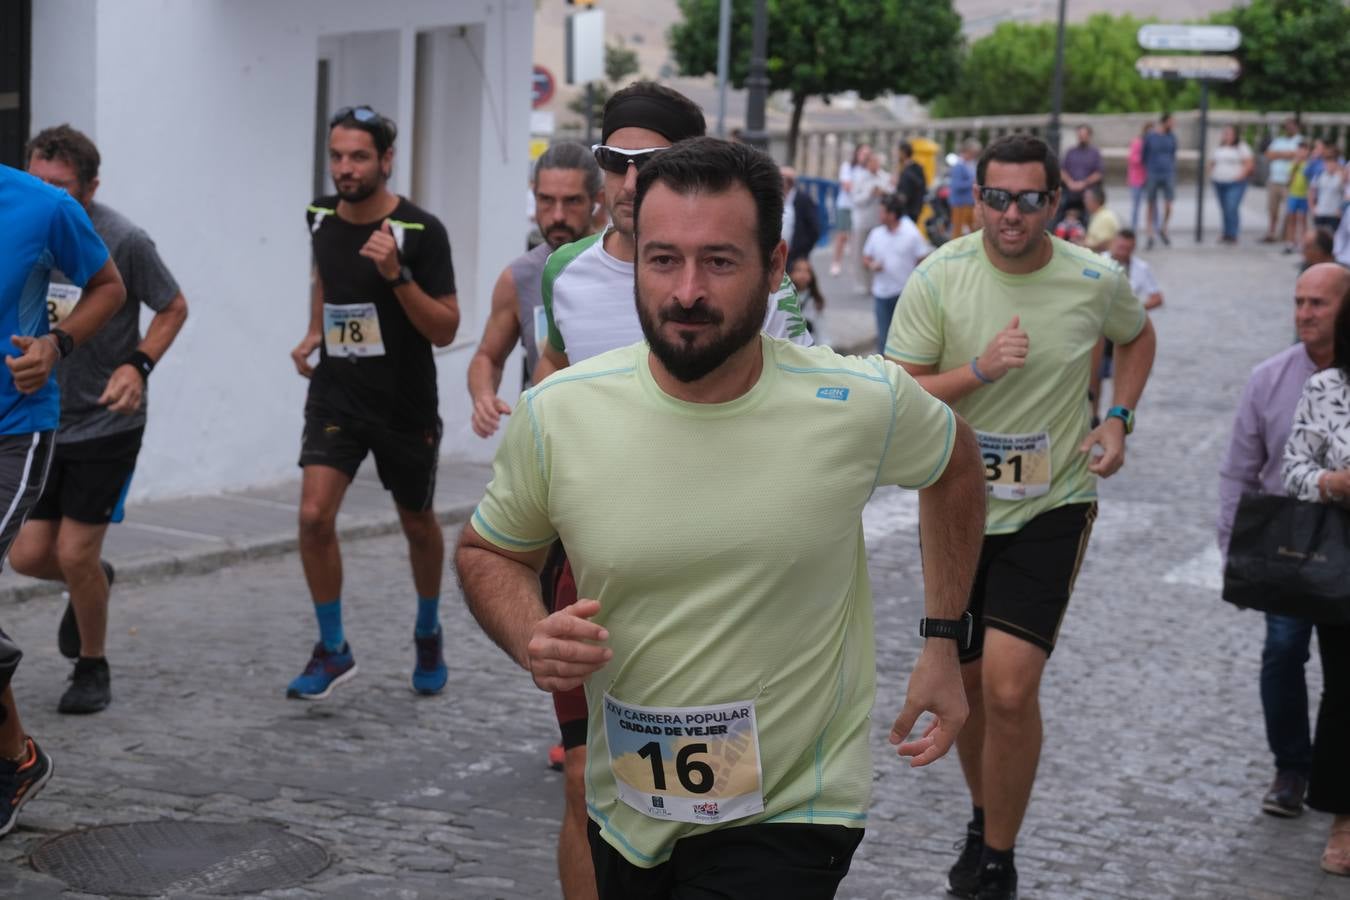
(1002, 324)
(383, 293)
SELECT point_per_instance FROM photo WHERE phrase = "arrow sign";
(1202, 68)
(1217, 38)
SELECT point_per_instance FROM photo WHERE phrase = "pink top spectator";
(1135, 175)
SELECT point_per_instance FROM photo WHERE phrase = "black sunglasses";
(1027, 201)
(617, 160)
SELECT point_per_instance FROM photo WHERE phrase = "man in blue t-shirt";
(1160, 172)
(44, 228)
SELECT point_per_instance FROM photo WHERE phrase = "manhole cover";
(145, 859)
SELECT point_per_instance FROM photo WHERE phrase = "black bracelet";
(64, 342)
(142, 363)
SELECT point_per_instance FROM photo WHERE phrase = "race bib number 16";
(696, 764)
(352, 329)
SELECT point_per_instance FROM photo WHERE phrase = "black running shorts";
(89, 479)
(405, 460)
(1024, 579)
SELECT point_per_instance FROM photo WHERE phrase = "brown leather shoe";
(1336, 858)
(1285, 797)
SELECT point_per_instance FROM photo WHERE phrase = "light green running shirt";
(725, 545)
(1032, 421)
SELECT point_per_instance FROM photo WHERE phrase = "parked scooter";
(938, 225)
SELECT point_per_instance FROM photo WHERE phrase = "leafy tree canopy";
(1293, 54)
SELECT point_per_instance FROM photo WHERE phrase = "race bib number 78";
(696, 764)
(352, 329)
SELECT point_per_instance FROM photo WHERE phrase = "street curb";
(160, 568)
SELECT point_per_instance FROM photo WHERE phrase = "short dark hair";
(895, 204)
(1326, 241)
(381, 129)
(1096, 191)
(1165, 116)
(710, 165)
(906, 148)
(571, 155)
(65, 144)
(1127, 233)
(1020, 148)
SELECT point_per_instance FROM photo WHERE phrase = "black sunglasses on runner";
(1027, 201)
(617, 160)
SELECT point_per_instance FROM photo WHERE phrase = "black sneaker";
(998, 881)
(963, 879)
(68, 635)
(20, 782)
(90, 690)
(1285, 797)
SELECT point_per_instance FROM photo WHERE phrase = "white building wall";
(204, 113)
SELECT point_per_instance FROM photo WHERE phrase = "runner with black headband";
(383, 292)
(588, 300)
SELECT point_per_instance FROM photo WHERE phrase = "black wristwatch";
(404, 277)
(961, 630)
(64, 342)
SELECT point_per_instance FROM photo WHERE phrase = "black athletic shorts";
(405, 460)
(89, 479)
(786, 861)
(1024, 580)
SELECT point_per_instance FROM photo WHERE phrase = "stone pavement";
(1155, 757)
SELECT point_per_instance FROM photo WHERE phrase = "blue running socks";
(330, 624)
(428, 616)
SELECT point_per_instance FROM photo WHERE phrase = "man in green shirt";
(1002, 325)
(708, 484)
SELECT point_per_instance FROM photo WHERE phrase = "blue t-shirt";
(44, 228)
(1160, 153)
(961, 180)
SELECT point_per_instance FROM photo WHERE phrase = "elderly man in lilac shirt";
(1264, 420)
(1081, 168)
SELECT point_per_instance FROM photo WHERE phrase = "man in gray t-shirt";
(103, 394)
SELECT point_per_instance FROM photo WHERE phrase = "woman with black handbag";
(1317, 469)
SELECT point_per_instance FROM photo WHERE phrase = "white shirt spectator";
(898, 252)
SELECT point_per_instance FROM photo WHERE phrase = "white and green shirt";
(1032, 421)
(724, 543)
(588, 298)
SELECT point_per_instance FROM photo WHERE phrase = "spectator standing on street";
(1136, 176)
(1003, 324)
(1296, 207)
(843, 204)
(1265, 417)
(1103, 223)
(103, 417)
(1326, 192)
(801, 222)
(44, 228)
(1229, 170)
(870, 187)
(1081, 168)
(1317, 470)
(809, 297)
(892, 251)
(1280, 154)
(961, 185)
(1160, 164)
(911, 182)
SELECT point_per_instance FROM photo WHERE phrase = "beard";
(560, 233)
(358, 190)
(694, 355)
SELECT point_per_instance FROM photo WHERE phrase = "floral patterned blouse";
(1320, 441)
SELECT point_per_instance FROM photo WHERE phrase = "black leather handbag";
(1290, 557)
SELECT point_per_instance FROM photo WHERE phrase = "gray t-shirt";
(85, 373)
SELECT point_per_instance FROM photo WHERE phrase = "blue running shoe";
(430, 674)
(326, 670)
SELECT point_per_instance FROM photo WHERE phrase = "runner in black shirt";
(383, 293)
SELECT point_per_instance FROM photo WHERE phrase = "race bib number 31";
(696, 764)
(61, 299)
(1016, 466)
(352, 329)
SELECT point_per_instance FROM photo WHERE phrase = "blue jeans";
(884, 307)
(1230, 201)
(1284, 692)
(1136, 200)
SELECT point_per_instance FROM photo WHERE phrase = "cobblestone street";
(1155, 755)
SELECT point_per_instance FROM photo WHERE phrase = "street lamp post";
(757, 84)
(1057, 86)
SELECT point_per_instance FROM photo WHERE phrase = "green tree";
(620, 64)
(1009, 72)
(817, 48)
(1293, 54)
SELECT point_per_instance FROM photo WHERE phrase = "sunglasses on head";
(1027, 201)
(363, 115)
(617, 160)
